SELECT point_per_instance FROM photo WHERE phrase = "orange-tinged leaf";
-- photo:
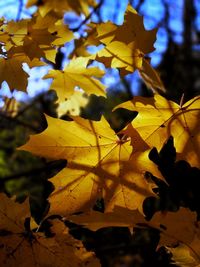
(132, 30)
(125, 45)
(97, 166)
(36, 37)
(175, 227)
(12, 214)
(159, 118)
(77, 74)
(179, 226)
(12, 72)
(120, 217)
(61, 250)
(17, 30)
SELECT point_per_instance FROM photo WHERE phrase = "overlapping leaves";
(17, 240)
(97, 166)
(159, 118)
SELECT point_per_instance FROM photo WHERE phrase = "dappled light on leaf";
(159, 118)
(99, 169)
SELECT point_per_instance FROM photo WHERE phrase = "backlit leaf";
(76, 74)
(158, 119)
(97, 166)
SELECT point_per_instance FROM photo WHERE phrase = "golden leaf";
(120, 55)
(61, 250)
(73, 105)
(159, 118)
(77, 74)
(97, 166)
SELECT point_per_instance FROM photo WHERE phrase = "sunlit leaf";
(76, 74)
(158, 119)
(97, 166)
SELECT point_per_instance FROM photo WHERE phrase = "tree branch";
(88, 17)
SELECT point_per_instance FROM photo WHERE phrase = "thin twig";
(19, 10)
(88, 17)
(50, 166)
(9, 118)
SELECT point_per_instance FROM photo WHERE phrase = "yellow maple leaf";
(36, 37)
(97, 166)
(132, 30)
(73, 105)
(77, 74)
(124, 46)
(61, 250)
(119, 55)
(175, 227)
(180, 227)
(16, 30)
(159, 118)
(55, 26)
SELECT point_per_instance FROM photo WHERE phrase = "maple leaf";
(184, 256)
(36, 37)
(78, 6)
(54, 27)
(119, 217)
(180, 184)
(17, 240)
(97, 166)
(125, 45)
(16, 31)
(12, 72)
(77, 74)
(175, 227)
(119, 55)
(180, 226)
(132, 30)
(159, 118)
(73, 105)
